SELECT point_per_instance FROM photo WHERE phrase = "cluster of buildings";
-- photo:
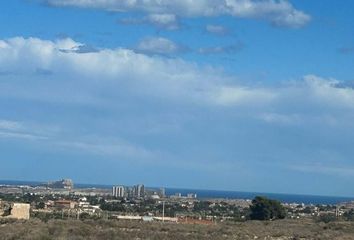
(137, 191)
(64, 187)
(139, 203)
(61, 184)
(296, 211)
(82, 205)
(188, 196)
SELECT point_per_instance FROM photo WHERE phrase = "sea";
(208, 194)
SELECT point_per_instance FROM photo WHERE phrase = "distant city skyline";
(238, 95)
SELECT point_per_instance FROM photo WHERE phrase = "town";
(61, 200)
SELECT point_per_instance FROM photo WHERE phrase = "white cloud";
(10, 125)
(158, 45)
(159, 20)
(166, 21)
(231, 96)
(180, 7)
(24, 136)
(57, 138)
(290, 119)
(279, 13)
(111, 148)
(119, 69)
(216, 29)
(122, 72)
(327, 91)
(229, 49)
(337, 171)
(124, 91)
(16, 130)
(310, 102)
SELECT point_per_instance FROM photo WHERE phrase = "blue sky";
(214, 94)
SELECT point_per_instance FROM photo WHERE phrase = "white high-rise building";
(162, 192)
(118, 191)
(139, 191)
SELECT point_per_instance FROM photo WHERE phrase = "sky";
(245, 95)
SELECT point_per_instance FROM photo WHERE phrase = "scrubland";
(111, 229)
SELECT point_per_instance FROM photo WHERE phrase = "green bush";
(326, 218)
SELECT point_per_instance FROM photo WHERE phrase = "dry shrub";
(117, 230)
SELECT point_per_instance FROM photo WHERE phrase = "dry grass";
(101, 229)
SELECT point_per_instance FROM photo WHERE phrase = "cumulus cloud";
(138, 104)
(278, 13)
(329, 91)
(138, 74)
(116, 68)
(311, 101)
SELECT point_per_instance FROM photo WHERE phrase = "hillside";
(102, 229)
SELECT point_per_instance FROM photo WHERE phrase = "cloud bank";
(278, 13)
(120, 68)
(129, 106)
(153, 76)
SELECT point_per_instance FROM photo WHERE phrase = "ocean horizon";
(222, 194)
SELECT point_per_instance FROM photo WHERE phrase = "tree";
(349, 216)
(326, 218)
(114, 207)
(263, 208)
(41, 205)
